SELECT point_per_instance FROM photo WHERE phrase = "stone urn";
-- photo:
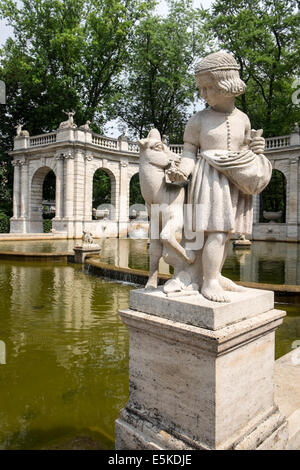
(272, 216)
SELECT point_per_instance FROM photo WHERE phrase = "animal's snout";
(143, 142)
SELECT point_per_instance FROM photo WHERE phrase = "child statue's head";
(220, 72)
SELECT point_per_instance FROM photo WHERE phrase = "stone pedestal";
(85, 251)
(201, 373)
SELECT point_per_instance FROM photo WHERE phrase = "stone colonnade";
(285, 158)
(74, 159)
(74, 154)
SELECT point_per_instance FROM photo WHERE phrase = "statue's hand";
(257, 143)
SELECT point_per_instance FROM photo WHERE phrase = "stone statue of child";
(228, 171)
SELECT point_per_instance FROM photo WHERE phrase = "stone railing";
(43, 139)
(278, 142)
(104, 142)
(133, 147)
(123, 145)
(176, 148)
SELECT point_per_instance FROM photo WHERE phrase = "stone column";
(79, 168)
(24, 189)
(69, 185)
(16, 194)
(201, 373)
(88, 187)
(123, 199)
(69, 193)
(292, 201)
(59, 186)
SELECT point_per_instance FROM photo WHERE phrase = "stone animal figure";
(21, 133)
(70, 121)
(164, 203)
(87, 237)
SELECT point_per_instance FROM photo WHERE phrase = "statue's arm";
(182, 171)
(188, 158)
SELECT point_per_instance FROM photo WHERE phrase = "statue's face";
(209, 92)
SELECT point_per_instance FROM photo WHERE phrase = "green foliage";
(47, 225)
(4, 223)
(159, 85)
(49, 186)
(135, 191)
(101, 188)
(273, 198)
(118, 59)
(263, 36)
(67, 54)
(5, 186)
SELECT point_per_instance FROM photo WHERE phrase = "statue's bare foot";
(190, 256)
(212, 290)
(229, 285)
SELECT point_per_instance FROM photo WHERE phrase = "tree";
(65, 54)
(263, 36)
(101, 188)
(159, 82)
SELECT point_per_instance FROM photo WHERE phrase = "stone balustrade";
(43, 139)
(75, 153)
(105, 142)
(272, 143)
(278, 142)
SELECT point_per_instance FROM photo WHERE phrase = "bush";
(47, 225)
(4, 223)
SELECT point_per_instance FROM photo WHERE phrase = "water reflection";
(265, 262)
(66, 372)
(67, 366)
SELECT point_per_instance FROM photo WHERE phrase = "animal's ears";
(154, 134)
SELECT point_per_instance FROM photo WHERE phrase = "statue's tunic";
(219, 204)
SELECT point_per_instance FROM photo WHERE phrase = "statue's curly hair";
(223, 70)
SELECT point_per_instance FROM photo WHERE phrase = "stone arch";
(133, 179)
(36, 198)
(274, 196)
(113, 189)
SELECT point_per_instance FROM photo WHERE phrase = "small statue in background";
(70, 122)
(87, 238)
(21, 133)
(86, 126)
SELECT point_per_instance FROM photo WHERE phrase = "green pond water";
(66, 372)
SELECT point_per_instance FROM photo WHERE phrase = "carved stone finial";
(296, 129)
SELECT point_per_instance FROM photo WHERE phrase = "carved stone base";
(83, 252)
(199, 388)
(133, 431)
